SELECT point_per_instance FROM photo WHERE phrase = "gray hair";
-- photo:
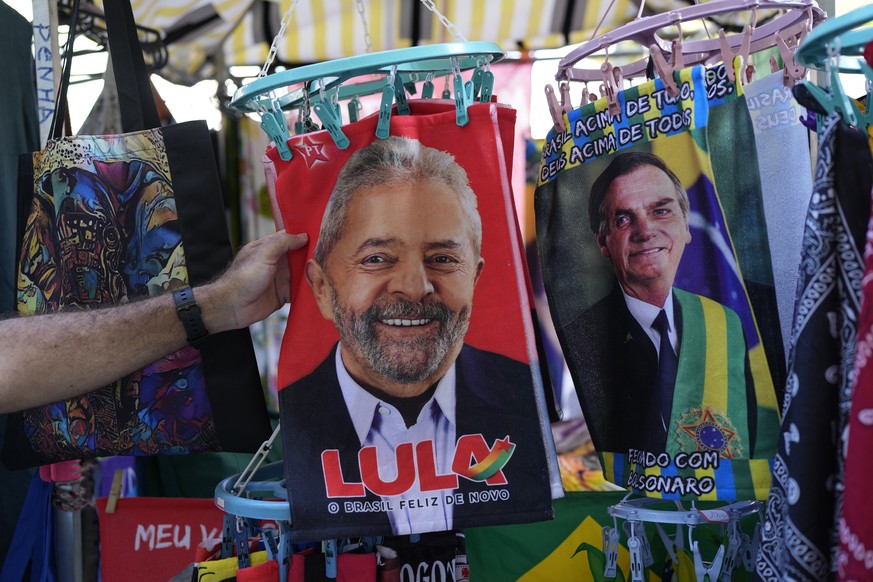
(392, 161)
(622, 165)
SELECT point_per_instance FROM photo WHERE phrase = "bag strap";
(135, 98)
(61, 98)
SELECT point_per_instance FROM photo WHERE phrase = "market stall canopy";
(202, 34)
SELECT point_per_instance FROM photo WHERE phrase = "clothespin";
(427, 87)
(865, 119)
(400, 96)
(463, 94)
(327, 113)
(700, 569)
(476, 79)
(612, 79)
(751, 551)
(748, 70)
(792, 71)
(733, 550)
(447, 94)
(677, 541)
(586, 98)
(241, 541)
(610, 550)
(664, 71)
(487, 85)
(274, 125)
(270, 544)
(114, 490)
(227, 535)
(354, 106)
(383, 126)
(555, 110)
(645, 548)
(285, 550)
(678, 57)
(636, 556)
(329, 547)
(564, 89)
(727, 54)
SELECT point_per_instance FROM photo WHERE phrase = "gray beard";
(402, 361)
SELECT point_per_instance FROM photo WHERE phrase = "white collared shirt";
(380, 424)
(645, 314)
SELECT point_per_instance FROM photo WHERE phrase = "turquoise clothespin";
(427, 87)
(400, 96)
(327, 113)
(487, 87)
(446, 93)
(463, 95)
(273, 124)
(330, 558)
(354, 107)
(477, 81)
(865, 119)
(383, 126)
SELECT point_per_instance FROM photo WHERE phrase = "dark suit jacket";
(614, 365)
(494, 397)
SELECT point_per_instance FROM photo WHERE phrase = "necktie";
(668, 363)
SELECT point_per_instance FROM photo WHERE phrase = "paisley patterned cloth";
(799, 536)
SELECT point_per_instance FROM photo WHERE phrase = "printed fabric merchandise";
(650, 295)
(800, 537)
(432, 306)
(115, 218)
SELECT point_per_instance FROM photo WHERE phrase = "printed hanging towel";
(799, 539)
(786, 182)
(649, 299)
(411, 400)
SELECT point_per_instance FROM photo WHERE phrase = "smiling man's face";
(646, 233)
(399, 284)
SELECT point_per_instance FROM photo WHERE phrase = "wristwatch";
(189, 314)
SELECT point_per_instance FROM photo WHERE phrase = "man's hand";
(255, 285)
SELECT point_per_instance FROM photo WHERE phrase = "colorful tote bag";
(118, 217)
(649, 299)
(360, 458)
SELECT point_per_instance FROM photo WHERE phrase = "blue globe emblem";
(710, 436)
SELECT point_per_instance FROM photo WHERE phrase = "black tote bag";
(114, 218)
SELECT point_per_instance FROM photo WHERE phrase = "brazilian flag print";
(658, 209)
(569, 549)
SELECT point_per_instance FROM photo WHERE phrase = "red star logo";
(710, 435)
(311, 152)
(503, 445)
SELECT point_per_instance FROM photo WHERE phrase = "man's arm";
(53, 357)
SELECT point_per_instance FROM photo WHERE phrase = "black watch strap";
(189, 314)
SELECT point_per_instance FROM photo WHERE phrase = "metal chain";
(367, 39)
(274, 48)
(453, 30)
